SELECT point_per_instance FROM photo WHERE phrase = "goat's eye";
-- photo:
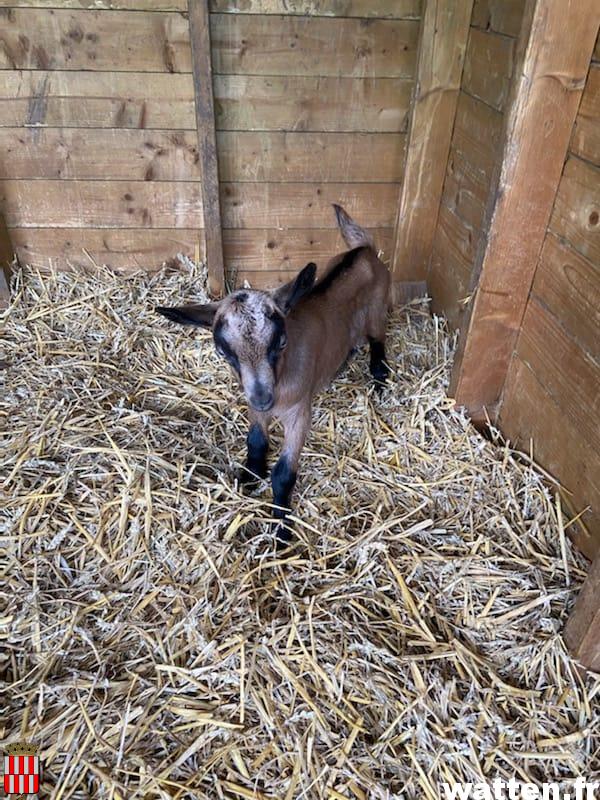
(282, 341)
(220, 351)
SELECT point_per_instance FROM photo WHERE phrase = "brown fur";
(324, 322)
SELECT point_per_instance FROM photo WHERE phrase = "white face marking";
(248, 327)
(248, 323)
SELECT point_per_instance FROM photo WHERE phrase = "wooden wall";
(474, 151)
(552, 391)
(98, 147)
(515, 260)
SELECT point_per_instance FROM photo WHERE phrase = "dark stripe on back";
(338, 271)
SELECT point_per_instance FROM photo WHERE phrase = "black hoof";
(380, 373)
(380, 382)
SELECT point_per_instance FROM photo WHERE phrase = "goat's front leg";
(257, 441)
(295, 429)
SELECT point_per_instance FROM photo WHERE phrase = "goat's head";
(249, 331)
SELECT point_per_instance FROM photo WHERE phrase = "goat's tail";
(353, 234)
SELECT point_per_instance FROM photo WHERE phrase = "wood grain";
(477, 136)
(310, 157)
(585, 141)
(273, 249)
(249, 102)
(523, 197)
(96, 5)
(253, 251)
(138, 204)
(50, 39)
(576, 215)
(582, 631)
(488, 67)
(474, 154)
(96, 100)
(141, 41)
(466, 190)
(306, 205)
(451, 264)
(500, 16)
(291, 45)
(442, 45)
(210, 215)
(558, 445)
(393, 9)
(110, 204)
(131, 248)
(568, 286)
(386, 9)
(100, 154)
(566, 371)
(236, 279)
(475, 149)
(124, 100)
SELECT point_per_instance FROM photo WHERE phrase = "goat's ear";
(200, 315)
(290, 294)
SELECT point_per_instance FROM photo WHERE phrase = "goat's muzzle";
(261, 399)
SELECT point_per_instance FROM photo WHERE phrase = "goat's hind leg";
(376, 324)
(377, 363)
(257, 441)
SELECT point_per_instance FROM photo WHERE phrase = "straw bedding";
(155, 645)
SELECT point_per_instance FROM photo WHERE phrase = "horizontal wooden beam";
(251, 250)
(443, 37)
(75, 39)
(170, 155)
(108, 99)
(138, 204)
(383, 9)
(292, 45)
(551, 43)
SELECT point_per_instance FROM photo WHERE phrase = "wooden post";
(6, 258)
(442, 44)
(582, 631)
(554, 51)
(207, 144)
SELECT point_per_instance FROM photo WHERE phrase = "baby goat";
(287, 344)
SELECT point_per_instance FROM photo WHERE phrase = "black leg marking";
(256, 463)
(379, 369)
(283, 479)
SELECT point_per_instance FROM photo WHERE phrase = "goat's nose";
(261, 398)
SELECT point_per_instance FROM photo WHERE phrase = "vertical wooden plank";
(207, 144)
(582, 631)
(443, 39)
(6, 257)
(553, 58)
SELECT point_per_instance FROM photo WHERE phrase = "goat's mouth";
(266, 406)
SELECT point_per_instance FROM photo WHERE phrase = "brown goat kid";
(287, 344)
